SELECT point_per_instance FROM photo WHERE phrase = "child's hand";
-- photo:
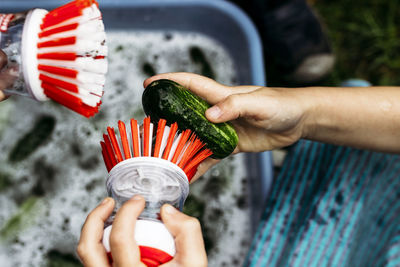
(125, 252)
(264, 118)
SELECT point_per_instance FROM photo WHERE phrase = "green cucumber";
(166, 99)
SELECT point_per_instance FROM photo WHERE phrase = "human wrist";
(310, 107)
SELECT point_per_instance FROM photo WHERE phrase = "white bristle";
(174, 145)
(129, 137)
(81, 47)
(164, 140)
(82, 63)
(140, 147)
(90, 77)
(83, 78)
(81, 50)
(183, 152)
(118, 137)
(84, 88)
(89, 99)
(84, 30)
(151, 138)
(92, 88)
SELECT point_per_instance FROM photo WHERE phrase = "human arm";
(125, 252)
(270, 118)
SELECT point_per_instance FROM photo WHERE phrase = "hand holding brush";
(125, 251)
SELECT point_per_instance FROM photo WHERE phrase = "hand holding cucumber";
(263, 118)
(269, 118)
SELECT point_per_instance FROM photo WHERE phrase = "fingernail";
(105, 201)
(170, 209)
(137, 197)
(214, 112)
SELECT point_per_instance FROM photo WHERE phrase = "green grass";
(365, 37)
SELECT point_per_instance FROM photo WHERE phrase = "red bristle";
(114, 142)
(135, 140)
(194, 146)
(62, 8)
(64, 28)
(106, 158)
(65, 12)
(189, 149)
(181, 144)
(59, 83)
(71, 73)
(72, 102)
(99, 57)
(187, 152)
(59, 95)
(109, 150)
(53, 18)
(171, 136)
(124, 139)
(202, 155)
(159, 137)
(105, 161)
(197, 145)
(87, 110)
(58, 42)
(192, 172)
(146, 136)
(57, 56)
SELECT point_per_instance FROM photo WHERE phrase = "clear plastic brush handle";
(157, 180)
(11, 28)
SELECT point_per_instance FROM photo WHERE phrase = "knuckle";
(81, 250)
(91, 216)
(232, 100)
(117, 239)
(191, 224)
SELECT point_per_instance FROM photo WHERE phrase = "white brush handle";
(149, 234)
(29, 53)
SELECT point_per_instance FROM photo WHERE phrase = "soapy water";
(57, 176)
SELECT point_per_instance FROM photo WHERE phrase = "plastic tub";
(219, 20)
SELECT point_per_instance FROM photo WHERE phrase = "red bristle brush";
(157, 164)
(181, 148)
(63, 56)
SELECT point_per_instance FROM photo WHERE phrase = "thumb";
(233, 107)
(188, 237)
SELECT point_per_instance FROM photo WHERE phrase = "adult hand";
(189, 242)
(3, 80)
(264, 118)
(125, 252)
